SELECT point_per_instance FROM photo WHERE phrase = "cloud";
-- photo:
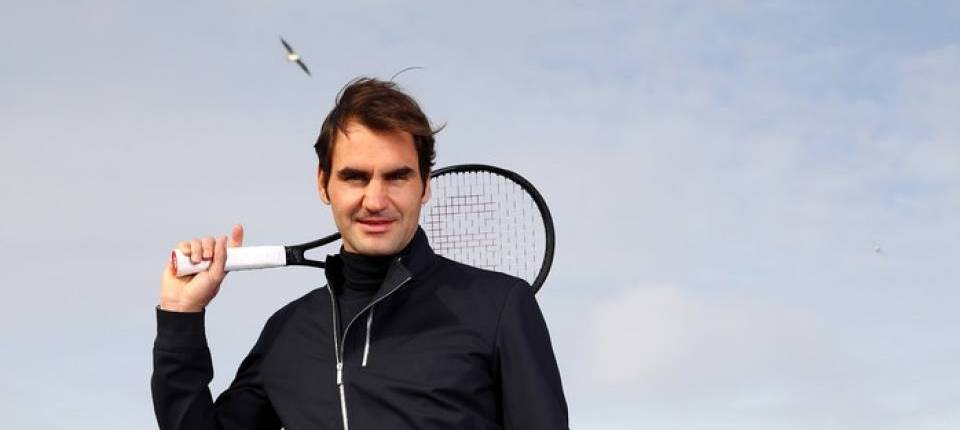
(659, 354)
(658, 340)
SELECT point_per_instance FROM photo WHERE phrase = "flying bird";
(292, 56)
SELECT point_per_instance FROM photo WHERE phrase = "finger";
(184, 247)
(216, 270)
(196, 251)
(236, 236)
(208, 244)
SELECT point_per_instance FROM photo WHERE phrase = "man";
(400, 338)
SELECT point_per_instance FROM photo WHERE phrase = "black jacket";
(442, 345)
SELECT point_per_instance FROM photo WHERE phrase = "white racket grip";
(240, 258)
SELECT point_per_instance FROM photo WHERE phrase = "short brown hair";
(382, 107)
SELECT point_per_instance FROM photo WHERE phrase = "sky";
(721, 175)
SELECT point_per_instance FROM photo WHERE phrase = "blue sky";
(720, 174)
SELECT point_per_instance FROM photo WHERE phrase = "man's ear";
(426, 192)
(321, 188)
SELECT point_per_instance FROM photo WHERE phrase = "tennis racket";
(480, 215)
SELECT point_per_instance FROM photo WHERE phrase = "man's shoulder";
(477, 295)
(457, 273)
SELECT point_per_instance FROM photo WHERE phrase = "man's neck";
(364, 272)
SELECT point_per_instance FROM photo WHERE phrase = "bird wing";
(287, 46)
(304, 67)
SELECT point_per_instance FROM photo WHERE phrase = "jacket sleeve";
(182, 370)
(531, 393)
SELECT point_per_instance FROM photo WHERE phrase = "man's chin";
(377, 247)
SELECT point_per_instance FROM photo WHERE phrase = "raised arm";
(182, 368)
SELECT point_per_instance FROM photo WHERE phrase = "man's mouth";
(375, 225)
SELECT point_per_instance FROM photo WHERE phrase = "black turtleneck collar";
(358, 278)
(364, 272)
(412, 260)
(361, 274)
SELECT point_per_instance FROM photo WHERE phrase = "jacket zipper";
(336, 352)
(336, 342)
(366, 344)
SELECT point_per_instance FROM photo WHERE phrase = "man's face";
(374, 191)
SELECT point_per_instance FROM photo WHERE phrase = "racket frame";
(549, 232)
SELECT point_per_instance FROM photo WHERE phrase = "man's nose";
(375, 196)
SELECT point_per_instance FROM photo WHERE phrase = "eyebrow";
(399, 173)
(351, 172)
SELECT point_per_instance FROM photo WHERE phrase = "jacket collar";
(415, 259)
(418, 256)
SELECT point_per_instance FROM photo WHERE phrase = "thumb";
(236, 236)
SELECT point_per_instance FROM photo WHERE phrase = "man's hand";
(192, 293)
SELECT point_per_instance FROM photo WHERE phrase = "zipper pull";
(339, 374)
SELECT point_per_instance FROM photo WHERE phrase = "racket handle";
(240, 258)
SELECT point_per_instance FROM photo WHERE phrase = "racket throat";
(297, 257)
(296, 254)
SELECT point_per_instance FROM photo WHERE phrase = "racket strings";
(487, 221)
